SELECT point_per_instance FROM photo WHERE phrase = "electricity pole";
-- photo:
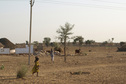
(31, 5)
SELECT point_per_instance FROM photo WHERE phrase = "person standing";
(52, 55)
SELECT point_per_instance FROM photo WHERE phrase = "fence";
(16, 50)
(4, 50)
(24, 50)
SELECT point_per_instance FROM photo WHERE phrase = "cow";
(47, 52)
(78, 51)
(57, 53)
(58, 49)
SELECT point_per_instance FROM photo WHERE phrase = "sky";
(98, 20)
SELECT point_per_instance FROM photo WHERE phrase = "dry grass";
(101, 66)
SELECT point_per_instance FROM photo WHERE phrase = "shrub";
(2, 67)
(22, 72)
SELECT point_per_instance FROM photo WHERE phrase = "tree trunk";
(65, 50)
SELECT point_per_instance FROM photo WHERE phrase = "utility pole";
(31, 5)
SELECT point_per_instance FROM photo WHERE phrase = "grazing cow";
(47, 52)
(58, 49)
(57, 53)
(78, 51)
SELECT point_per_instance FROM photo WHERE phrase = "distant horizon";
(59, 41)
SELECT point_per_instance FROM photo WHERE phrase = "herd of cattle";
(48, 52)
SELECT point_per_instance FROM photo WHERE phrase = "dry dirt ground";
(101, 66)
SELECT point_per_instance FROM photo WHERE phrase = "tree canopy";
(64, 32)
(47, 41)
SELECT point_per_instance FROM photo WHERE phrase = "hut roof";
(22, 45)
(7, 43)
(1, 45)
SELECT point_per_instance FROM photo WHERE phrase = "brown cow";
(58, 49)
(78, 51)
(47, 52)
(57, 53)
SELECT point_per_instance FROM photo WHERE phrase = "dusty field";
(101, 66)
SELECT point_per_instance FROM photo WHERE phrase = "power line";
(82, 4)
(68, 2)
(14, 0)
(108, 2)
(106, 6)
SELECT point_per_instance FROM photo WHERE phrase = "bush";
(2, 67)
(22, 72)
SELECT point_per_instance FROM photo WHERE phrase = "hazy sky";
(97, 20)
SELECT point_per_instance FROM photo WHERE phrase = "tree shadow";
(79, 73)
(2, 78)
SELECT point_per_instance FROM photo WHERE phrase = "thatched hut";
(122, 48)
(7, 43)
(1, 45)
